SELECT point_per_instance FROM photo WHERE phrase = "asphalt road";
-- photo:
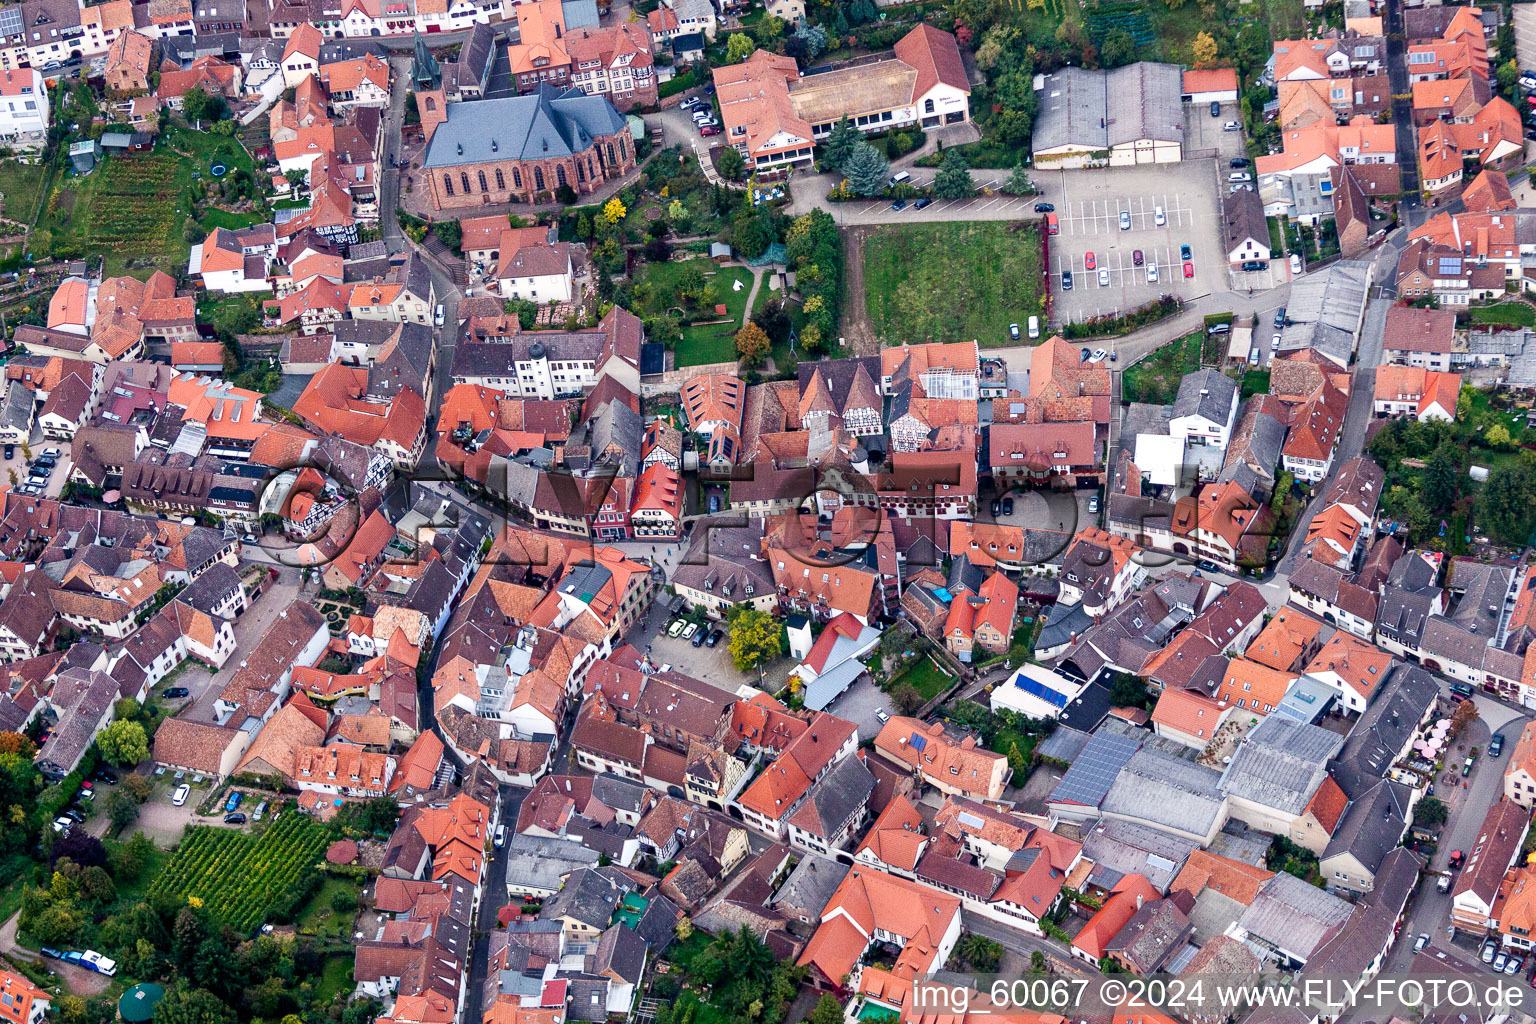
(493, 898)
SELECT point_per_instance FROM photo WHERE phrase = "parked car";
(881, 716)
(234, 800)
(1136, 257)
(923, 203)
(1045, 208)
(1013, 331)
(1152, 273)
(709, 130)
(49, 951)
(74, 956)
(105, 776)
(1239, 176)
(1232, 126)
(1215, 109)
(10, 451)
(689, 630)
(236, 818)
(1089, 262)
(714, 637)
(1274, 343)
(87, 785)
(900, 204)
(1279, 318)
(1443, 883)
(1184, 252)
(1496, 745)
(1066, 280)
(1159, 218)
(1514, 965)
(51, 453)
(1500, 960)
(1125, 220)
(1189, 269)
(441, 315)
(699, 638)
(60, 824)
(1093, 504)
(74, 815)
(501, 836)
(675, 628)
(1103, 279)
(1007, 506)
(997, 508)
(714, 503)
(1254, 355)
(177, 691)
(180, 796)
(1099, 355)
(1490, 949)
(261, 810)
(1420, 942)
(1238, 161)
(1295, 263)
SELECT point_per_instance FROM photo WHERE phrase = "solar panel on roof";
(1450, 264)
(970, 820)
(1038, 689)
(919, 741)
(1094, 770)
(10, 20)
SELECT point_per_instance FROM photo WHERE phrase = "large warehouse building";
(1131, 115)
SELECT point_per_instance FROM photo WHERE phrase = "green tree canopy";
(954, 178)
(756, 638)
(839, 143)
(124, 743)
(866, 170)
(738, 47)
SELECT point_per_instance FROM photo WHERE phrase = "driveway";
(1356, 419)
(250, 627)
(78, 980)
(858, 704)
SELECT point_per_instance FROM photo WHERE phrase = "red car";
(707, 132)
(1088, 261)
(1189, 270)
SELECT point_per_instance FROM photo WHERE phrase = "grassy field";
(1156, 378)
(705, 343)
(21, 185)
(1521, 313)
(952, 282)
(320, 918)
(1255, 382)
(926, 677)
(336, 976)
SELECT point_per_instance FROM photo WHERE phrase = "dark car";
(1137, 258)
(997, 508)
(74, 815)
(714, 638)
(10, 451)
(178, 691)
(1066, 280)
(900, 204)
(1007, 506)
(1215, 109)
(1183, 252)
(1280, 317)
(238, 818)
(1238, 161)
(922, 204)
(1045, 207)
(106, 778)
(50, 951)
(714, 503)
(1496, 746)
(699, 638)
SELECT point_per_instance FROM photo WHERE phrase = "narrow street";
(1402, 104)
(493, 898)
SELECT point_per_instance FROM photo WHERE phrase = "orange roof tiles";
(1284, 639)
(1258, 687)
(963, 765)
(1127, 897)
(1231, 878)
(1189, 712)
(896, 838)
(868, 900)
(1361, 666)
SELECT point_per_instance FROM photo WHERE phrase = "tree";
(199, 106)
(738, 47)
(1507, 507)
(1430, 811)
(1204, 49)
(731, 165)
(1119, 48)
(810, 338)
(866, 170)
(827, 1011)
(954, 178)
(1016, 759)
(1442, 478)
(809, 40)
(753, 346)
(78, 846)
(124, 743)
(1497, 436)
(684, 929)
(839, 144)
(906, 698)
(1509, 75)
(1464, 715)
(1128, 691)
(773, 320)
(614, 210)
(122, 808)
(1019, 183)
(193, 1006)
(755, 638)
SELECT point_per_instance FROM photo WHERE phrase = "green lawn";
(704, 343)
(926, 677)
(319, 918)
(953, 281)
(1521, 313)
(1156, 378)
(336, 976)
(21, 185)
(233, 221)
(1255, 382)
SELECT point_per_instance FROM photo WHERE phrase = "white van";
(1034, 327)
(899, 177)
